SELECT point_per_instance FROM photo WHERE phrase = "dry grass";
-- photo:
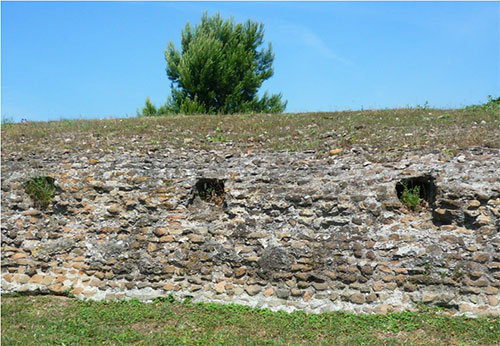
(380, 132)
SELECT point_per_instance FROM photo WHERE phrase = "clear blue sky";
(102, 59)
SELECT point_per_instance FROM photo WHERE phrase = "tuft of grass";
(41, 190)
(48, 320)
(218, 136)
(411, 196)
(7, 121)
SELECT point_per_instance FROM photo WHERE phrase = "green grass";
(411, 196)
(381, 132)
(47, 320)
(41, 189)
(492, 105)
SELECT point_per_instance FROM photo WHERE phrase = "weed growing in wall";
(210, 190)
(41, 190)
(411, 196)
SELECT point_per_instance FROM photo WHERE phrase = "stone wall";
(280, 230)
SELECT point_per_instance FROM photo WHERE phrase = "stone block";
(491, 290)
(382, 309)
(47, 280)
(21, 278)
(283, 293)
(358, 298)
(220, 287)
(481, 257)
(253, 289)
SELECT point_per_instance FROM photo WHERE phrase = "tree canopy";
(219, 69)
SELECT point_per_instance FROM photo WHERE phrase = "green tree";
(150, 110)
(219, 69)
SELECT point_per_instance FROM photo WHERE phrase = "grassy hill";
(381, 133)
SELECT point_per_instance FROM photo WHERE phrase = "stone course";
(290, 230)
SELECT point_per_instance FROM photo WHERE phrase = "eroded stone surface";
(293, 232)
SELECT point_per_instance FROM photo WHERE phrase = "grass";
(41, 189)
(492, 105)
(49, 320)
(383, 133)
(411, 196)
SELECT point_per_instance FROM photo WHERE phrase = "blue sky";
(102, 59)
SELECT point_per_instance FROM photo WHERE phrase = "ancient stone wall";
(280, 230)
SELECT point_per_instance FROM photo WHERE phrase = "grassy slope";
(380, 132)
(58, 320)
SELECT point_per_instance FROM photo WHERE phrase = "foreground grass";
(380, 131)
(62, 321)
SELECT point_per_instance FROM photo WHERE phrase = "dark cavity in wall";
(210, 190)
(423, 184)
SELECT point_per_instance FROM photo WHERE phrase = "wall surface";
(280, 230)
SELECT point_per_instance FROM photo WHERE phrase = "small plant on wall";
(41, 190)
(416, 192)
(411, 196)
(211, 190)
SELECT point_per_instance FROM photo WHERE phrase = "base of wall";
(328, 301)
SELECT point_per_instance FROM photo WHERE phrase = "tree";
(220, 70)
